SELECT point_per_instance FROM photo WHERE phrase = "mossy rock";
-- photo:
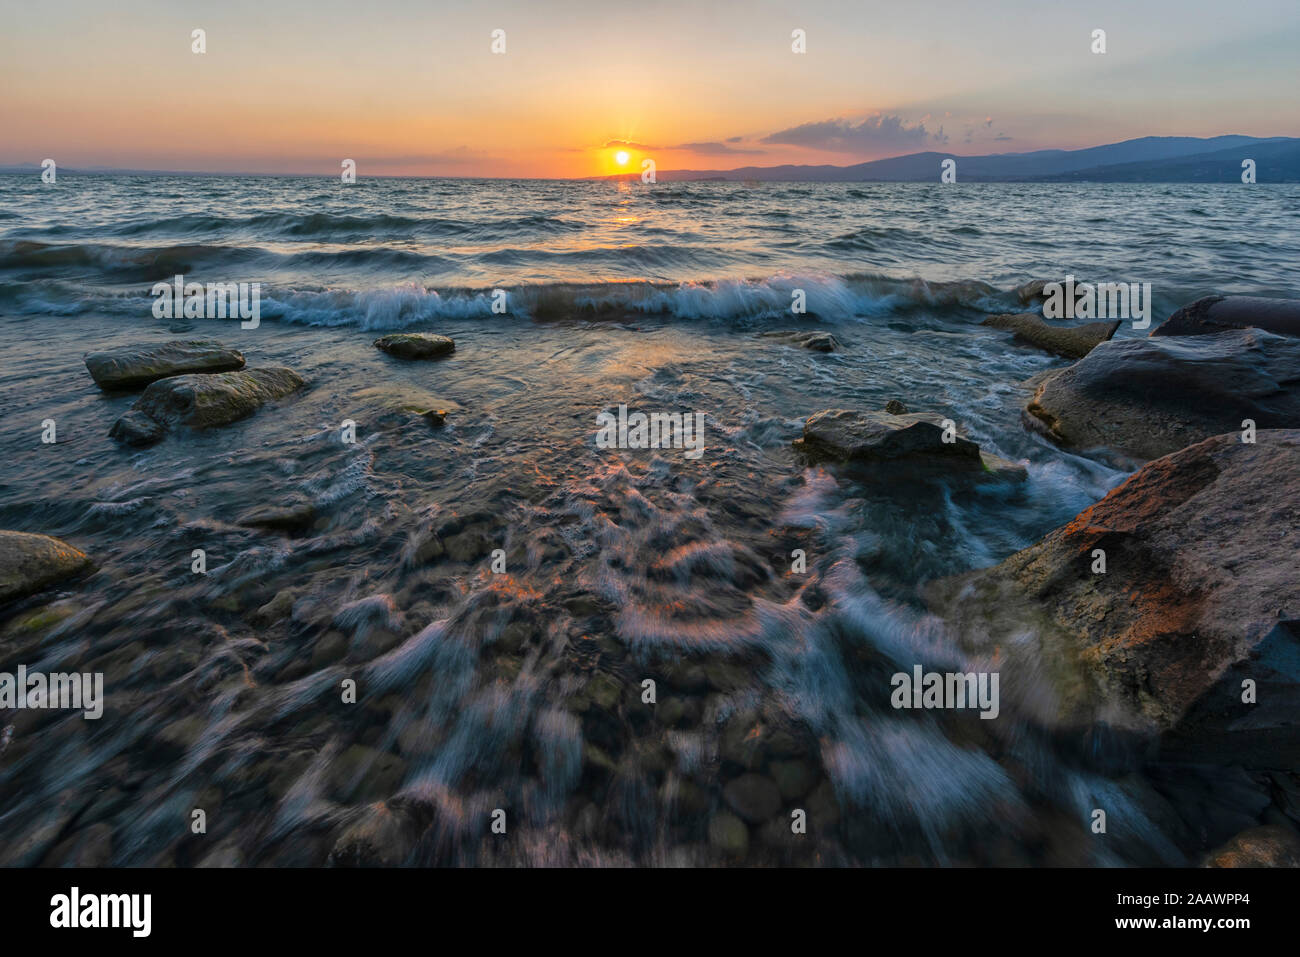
(29, 563)
(415, 345)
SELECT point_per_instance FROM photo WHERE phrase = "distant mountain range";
(1150, 159)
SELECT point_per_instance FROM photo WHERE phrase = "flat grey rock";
(1148, 397)
(911, 438)
(134, 367)
(1219, 313)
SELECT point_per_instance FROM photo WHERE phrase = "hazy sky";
(414, 88)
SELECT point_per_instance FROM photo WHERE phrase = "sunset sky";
(413, 87)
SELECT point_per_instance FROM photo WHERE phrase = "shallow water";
(522, 690)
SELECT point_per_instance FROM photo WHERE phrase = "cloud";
(882, 131)
(709, 148)
(716, 149)
(626, 144)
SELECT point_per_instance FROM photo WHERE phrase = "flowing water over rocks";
(522, 688)
(499, 590)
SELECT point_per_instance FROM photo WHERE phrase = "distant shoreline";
(1150, 159)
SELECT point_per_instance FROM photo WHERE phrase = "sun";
(621, 157)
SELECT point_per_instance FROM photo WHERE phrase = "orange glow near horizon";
(615, 162)
(418, 91)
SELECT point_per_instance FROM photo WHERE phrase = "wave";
(834, 298)
(123, 263)
(392, 287)
(126, 263)
(858, 297)
(324, 227)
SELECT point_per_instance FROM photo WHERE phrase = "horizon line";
(27, 168)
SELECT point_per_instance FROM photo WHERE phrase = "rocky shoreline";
(1197, 597)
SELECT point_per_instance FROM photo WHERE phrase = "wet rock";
(181, 735)
(728, 834)
(331, 647)
(653, 757)
(419, 739)
(39, 836)
(778, 834)
(1148, 397)
(784, 744)
(583, 605)
(916, 438)
(823, 809)
(820, 342)
(793, 779)
(278, 608)
(596, 762)
(29, 563)
(1287, 785)
(134, 367)
(516, 636)
(670, 711)
(743, 741)
(686, 675)
(136, 428)
(89, 847)
(587, 823)
(1200, 592)
(1267, 846)
(383, 836)
(372, 642)
(204, 401)
(225, 856)
(723, 675)
(843, 434)
(364, 774)
(293, 517)
(468, 546)
(1032, 291)
(1218, 313)
(1072, 342)
(401, 397)
(426, 547)
(466, 537)
(415, 345)
(604, 692)
(815, 340)
(34, 624)
(685, 798)
(312, 610)
(753, 797)
(1217, 802)
(679, 712)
